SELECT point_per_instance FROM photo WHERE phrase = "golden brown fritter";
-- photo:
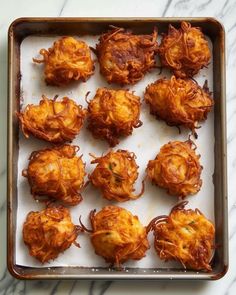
(185, 50)
(52, 120)
(179, 101)
(177, 169)
(186, 236)
(49, 232)
(125, 58)
(113, 113)
(56, 173)
(117, 235)
(115, 174)
(68, 60)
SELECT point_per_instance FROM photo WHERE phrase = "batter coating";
(68, 60)
(177, 169)
(52, 120)
(179, 101)
(115, 175)
(56, 173)
(113, 113)
(117, 235)
(185, 50)
(49, 232)
(186, 236)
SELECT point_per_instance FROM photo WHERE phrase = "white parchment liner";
(145, 143)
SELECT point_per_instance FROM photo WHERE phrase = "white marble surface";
(225, 11)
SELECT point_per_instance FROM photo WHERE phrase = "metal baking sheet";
(83, 263)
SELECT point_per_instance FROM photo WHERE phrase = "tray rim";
(13, 268)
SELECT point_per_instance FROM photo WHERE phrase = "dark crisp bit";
(124, 58)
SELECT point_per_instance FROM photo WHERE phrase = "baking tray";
(23, 27)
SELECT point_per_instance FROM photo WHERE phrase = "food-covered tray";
(26, 86)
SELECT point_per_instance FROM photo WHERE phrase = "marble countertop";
(225, 11)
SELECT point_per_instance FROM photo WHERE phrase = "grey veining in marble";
(225, 11)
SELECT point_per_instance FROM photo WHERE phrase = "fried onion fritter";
(186, 236)
(115, 174)
(125, 58)
(68, 60)
(49, 232)
(56, 173)
(185, 50)
(177, 169)
(117, 235)
(52, 120)
(113, 113)
(179, 101)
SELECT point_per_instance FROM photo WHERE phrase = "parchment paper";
(145, 142)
